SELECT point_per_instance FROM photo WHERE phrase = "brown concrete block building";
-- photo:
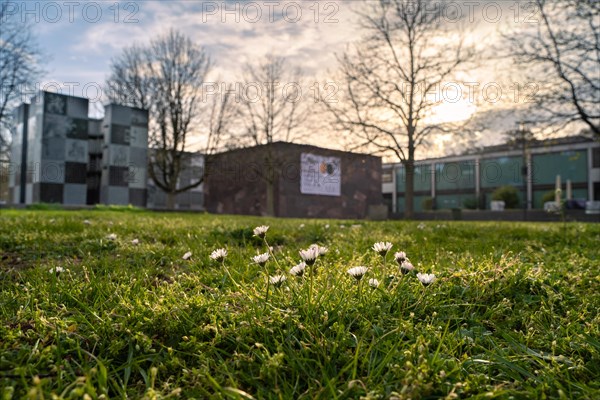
(292, 180)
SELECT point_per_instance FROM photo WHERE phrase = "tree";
(407, 53)
(272, 111)
(519, 137)
(271, 104)
(19, 67)
(224, 113)
(562, 55)
(168, 77)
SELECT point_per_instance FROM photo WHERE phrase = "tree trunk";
(409, 189)
(270, 177)
(270, 199)
(171, 198)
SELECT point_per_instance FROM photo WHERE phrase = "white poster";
(320, 175)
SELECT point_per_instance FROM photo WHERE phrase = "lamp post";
(524, 168)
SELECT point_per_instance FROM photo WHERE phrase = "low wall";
(506, 215)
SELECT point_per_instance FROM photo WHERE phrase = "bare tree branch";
(564, 59)
(19, 67)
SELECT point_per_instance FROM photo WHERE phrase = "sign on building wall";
(320, 175)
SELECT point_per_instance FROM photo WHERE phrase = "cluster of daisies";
(310, 255)
(404, 264)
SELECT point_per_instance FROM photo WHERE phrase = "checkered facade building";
(60, 155)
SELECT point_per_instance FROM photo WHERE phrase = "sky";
(80, 38)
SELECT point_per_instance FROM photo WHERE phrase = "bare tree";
(389, 75)
(167, 77)
(130, 81)
(562, 55)
(271, 101)
(19, 66)
(272, 110)
(224, 113)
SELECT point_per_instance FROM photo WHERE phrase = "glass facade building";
(469, 181)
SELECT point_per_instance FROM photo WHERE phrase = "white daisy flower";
(218, 254)
(135, 242)
(382, 247)
(374, 283)
(56, 270)
(321, 250)
(187, 255)
(327, 226)
(261, 259)
(400, 257)
(87, 222)
(112, 236)
(277, 280)
(421, 226)
(406, 267)
(309, 256)
(426, 279)
(261, 231)
(301, 226)
(358, 272)
(298, 270)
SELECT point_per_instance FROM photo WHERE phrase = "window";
(596, 157)
(386, 177)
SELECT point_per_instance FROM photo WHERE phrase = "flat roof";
(290, 144)
(512, 147)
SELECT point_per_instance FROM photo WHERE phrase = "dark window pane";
(75, 172)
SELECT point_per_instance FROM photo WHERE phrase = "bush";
(110, 207)
(427, 204)
(548, 196)
(44, 206)
(470, 203)
(508, 194)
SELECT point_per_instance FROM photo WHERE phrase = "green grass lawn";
(513, 312)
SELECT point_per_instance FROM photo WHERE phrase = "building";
(468, 181)
(292, 180)
(60, 155)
